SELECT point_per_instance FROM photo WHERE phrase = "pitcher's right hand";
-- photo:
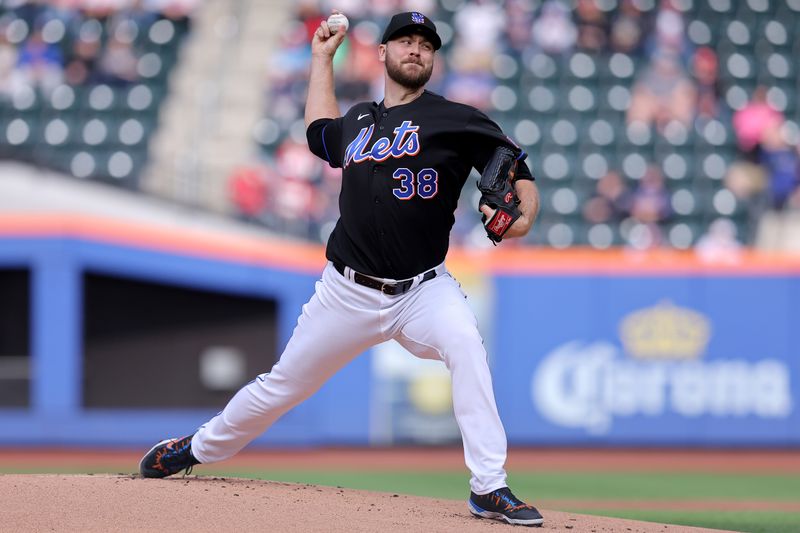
(326, 43)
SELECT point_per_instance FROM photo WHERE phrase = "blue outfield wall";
(649, 360)
(337, 413)
(580, 359)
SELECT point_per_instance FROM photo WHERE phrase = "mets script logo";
(405, 142)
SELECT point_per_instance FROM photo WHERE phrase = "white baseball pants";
(343, 319)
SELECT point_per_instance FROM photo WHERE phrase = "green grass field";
(594, 487)
(579, 492)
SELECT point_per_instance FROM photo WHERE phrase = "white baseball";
(336, 20)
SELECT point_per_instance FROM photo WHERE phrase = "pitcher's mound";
(103, 503)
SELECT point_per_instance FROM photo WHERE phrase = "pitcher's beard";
(409, 81)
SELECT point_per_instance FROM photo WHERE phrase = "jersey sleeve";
(324, 137)
(485, 136)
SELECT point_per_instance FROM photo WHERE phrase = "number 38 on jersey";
(424, 183)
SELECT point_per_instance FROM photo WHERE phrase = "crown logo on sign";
(665, 331)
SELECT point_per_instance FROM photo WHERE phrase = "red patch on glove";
(500, 223)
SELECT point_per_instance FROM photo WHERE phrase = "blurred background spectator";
(781, 163)
(629, 25)
(592, 25)
(650, 209)
(645, 121)
(554, 30)
(719, 243)
(752, 120)
(611, 201)
(705, 69)
(663, 93)
(40, 64)
(118, 64)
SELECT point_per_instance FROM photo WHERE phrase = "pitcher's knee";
(463, 346)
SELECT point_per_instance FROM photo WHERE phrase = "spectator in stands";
(30, 12)
(81, 67)
(292, 158)
(40, 64)
(310, 14)
(519, 14)
(663, 93)
(643, 236)
(118, 62)
(705, 68)
(610, 202)
(593, 26)
(650, 200)
(295, 204)
(781, 162)
(668, 35)
(366, 65)
(554, 32)
(650, 208)
(470, 80)
(8, 63)
(748, 183)
(751, 121)
(746, 180)
(295, 197)
(287, 74)
(793, 201)
(360, 68)
(478, 28)
(248, 192)
(719, 243)
(628, 29)
(479, 25)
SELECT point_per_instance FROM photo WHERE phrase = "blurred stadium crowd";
(81, 81)
(648, 123)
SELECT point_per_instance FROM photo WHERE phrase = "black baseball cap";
(412, 21)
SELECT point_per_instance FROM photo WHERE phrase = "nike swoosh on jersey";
(362, 116)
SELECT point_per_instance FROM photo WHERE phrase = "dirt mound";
(120, 503)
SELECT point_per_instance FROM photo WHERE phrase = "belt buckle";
(383, 288)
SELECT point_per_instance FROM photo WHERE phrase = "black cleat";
(168, 457)
(503, 505)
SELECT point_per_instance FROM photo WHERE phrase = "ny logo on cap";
(417, 18)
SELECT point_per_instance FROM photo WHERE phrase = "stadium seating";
(567, 110)
(569, 113)
(97, 128)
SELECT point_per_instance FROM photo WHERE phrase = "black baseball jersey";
(403, 169)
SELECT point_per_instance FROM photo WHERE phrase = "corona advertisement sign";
(642, 368)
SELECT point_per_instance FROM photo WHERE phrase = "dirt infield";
(127, 503)
(124, 502)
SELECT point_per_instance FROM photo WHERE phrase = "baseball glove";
(497, 191)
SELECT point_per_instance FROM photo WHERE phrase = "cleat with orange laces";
(168, 457)
(501, 504)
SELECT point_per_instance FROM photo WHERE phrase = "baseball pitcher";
(404, 162)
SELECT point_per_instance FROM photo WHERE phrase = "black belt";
(392, 289)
